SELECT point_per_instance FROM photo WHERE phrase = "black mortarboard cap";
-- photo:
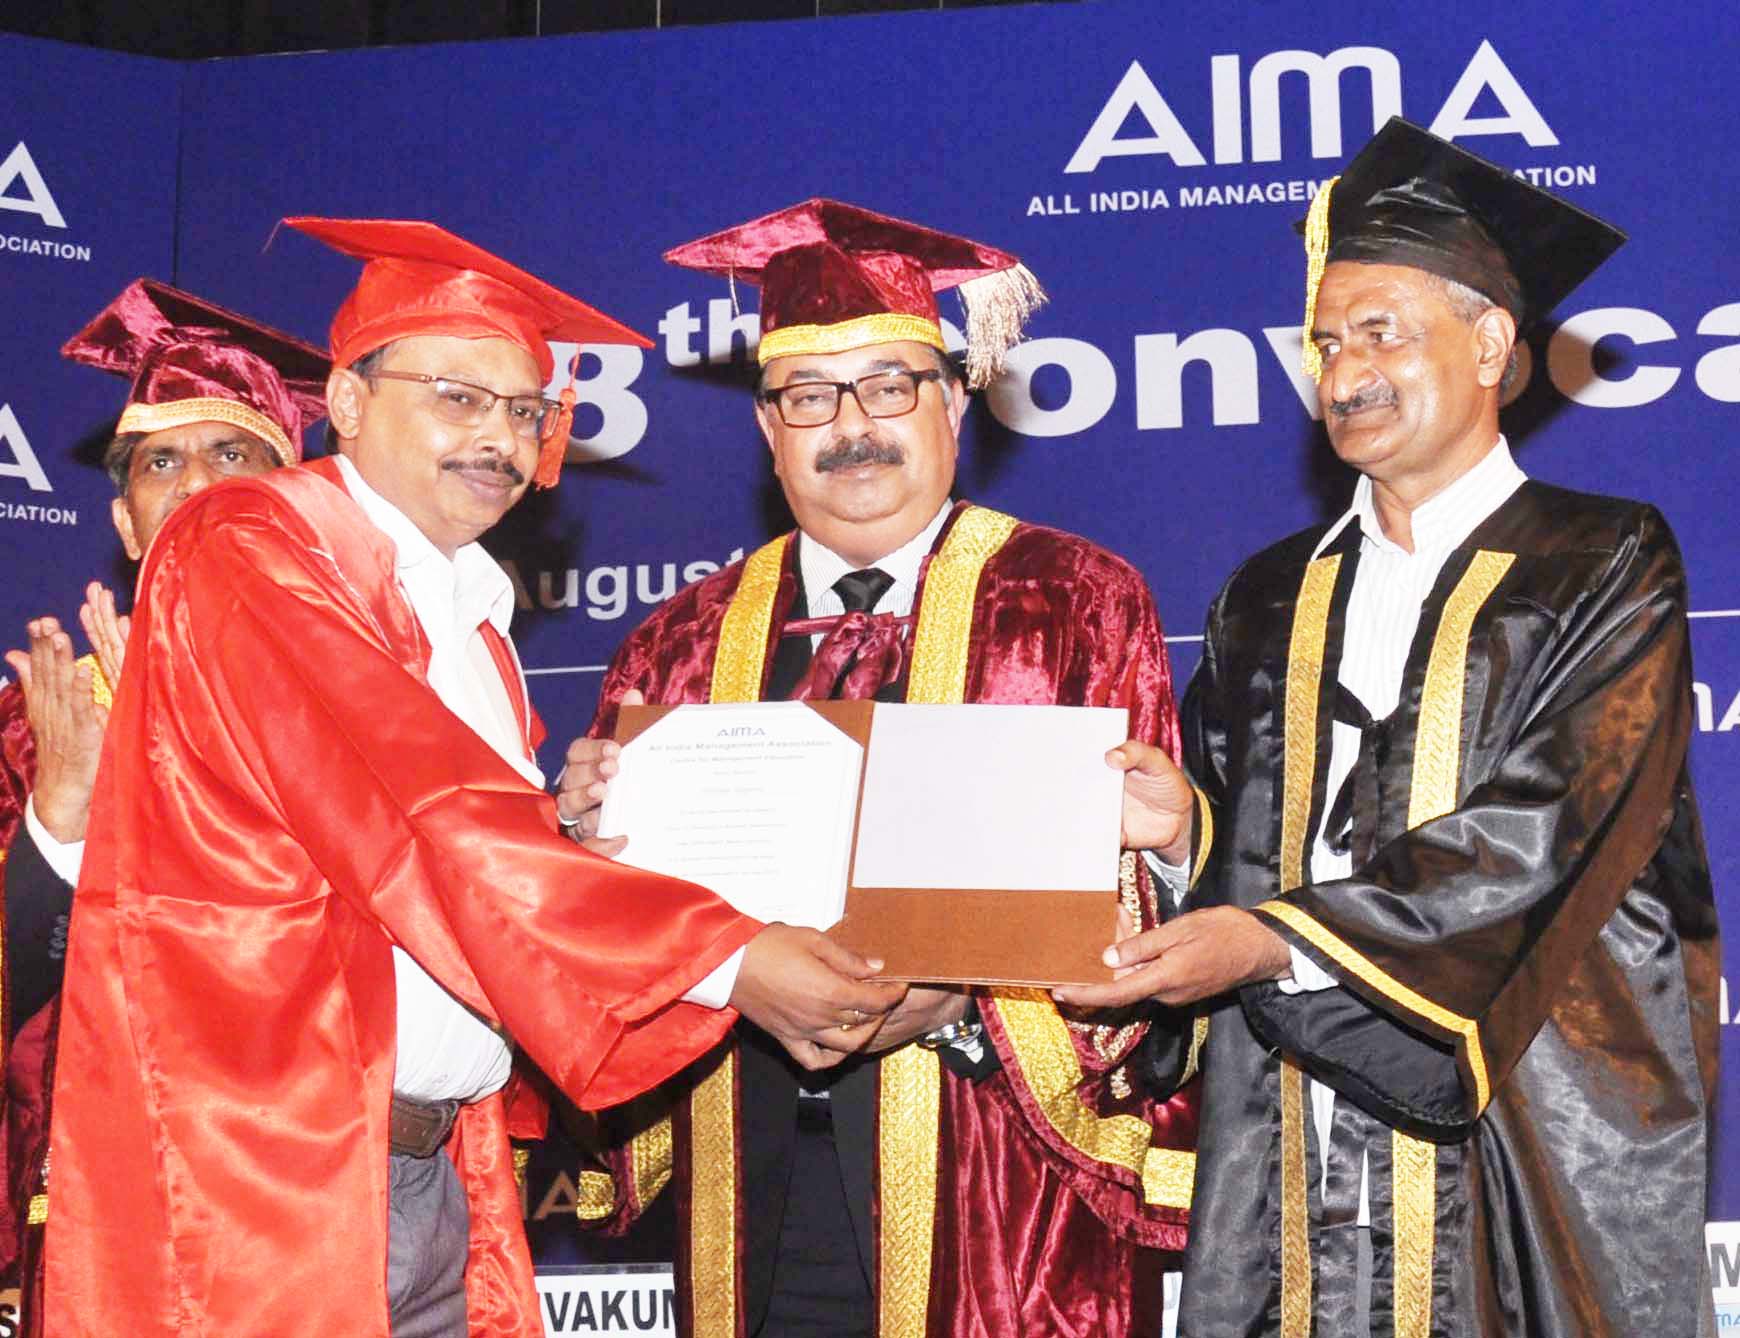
(1411, 198)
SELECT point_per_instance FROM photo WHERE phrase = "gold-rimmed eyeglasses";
(466, 405)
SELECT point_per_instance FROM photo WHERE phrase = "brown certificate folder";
(971, 936)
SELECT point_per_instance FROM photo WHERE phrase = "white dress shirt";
(65, 858)
(820, 567)
(445, 1051)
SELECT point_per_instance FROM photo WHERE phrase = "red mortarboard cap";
(835, 277)
(1411, 198)
(193, 362)
(420, 279)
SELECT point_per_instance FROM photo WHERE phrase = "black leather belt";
(419, 1128)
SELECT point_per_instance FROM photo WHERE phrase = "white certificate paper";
(755, 802)
(1012, 797)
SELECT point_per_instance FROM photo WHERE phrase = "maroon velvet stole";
(1003, 1205)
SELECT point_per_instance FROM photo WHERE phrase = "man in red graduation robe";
(323, 884)
(988, 1170)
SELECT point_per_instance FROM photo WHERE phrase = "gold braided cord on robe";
(1304, 682)
(909, 1102)
(714, 1190)
(1433, 793)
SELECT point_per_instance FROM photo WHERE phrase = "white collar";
(1446, 518)
(820, 566)
(472, 583)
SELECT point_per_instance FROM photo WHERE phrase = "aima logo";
(19, 169)
(1136, 95)
(17, 459)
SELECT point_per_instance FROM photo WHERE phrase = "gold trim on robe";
(1046, 1056)
(910, 1079)
(1432, 794)
(1352, 960)
(102, 693)
(1414, 1168)
(908, 1113)
(1295, 1208)
(654, 1151)
(1198, 1039)
(1304, 679)
(945, 616)
(595, 1196)
(737, 664)
(1438, 736)
(1204, 834)
(1299, 730)
(713, 1200)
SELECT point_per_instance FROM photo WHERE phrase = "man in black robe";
(1450, 918)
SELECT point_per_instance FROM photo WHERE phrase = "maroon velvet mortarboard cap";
(191, 361)
(835, 277)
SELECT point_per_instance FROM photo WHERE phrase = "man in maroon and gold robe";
(323, 883)
(987, 1169)
(211, 395)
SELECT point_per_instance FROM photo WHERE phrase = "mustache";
(1377, 397)
(489, 464)
(869, 449)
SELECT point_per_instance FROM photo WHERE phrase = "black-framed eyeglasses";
(879, 395)
(466, 405)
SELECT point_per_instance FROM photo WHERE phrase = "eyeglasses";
(879, 395)
(465, 405)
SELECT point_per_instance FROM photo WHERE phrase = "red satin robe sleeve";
(453, 853)
(281, 798)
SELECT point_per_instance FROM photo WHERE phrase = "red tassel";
(549, 471)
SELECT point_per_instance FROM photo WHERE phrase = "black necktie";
(1352, 822)
(861, 591)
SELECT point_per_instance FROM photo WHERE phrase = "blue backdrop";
(1147, 161)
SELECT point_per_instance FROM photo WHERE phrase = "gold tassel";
(997, 306)
(1316, 256)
